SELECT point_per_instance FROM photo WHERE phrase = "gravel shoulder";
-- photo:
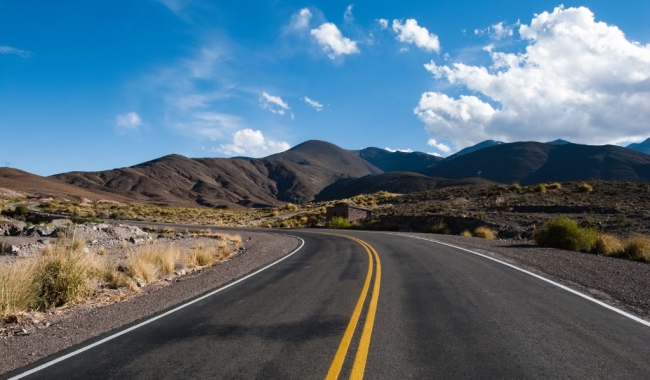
(68, 327)
(621, 283)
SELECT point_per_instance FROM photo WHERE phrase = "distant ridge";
(416, 162)
(532, 162)
(558, 142)
(643, 147)
(474, 148)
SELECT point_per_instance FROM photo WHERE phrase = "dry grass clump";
(515, 187)
(585, 188)
(17, 286)
(541, 188)
(149, 264)
(606, 245)
(440, 229)
(554, 186)
(466, 233)
(203, 257)
(636, 248)
(484, 233)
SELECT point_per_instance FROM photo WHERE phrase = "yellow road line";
(339, 358)
(361, 358)
(364, 345)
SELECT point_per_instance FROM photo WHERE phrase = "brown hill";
(532, 162)
(394, 182)
(42, 187)
(295, 175)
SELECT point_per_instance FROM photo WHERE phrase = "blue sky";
(98, 85)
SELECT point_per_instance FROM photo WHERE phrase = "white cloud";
(313, 103)
(300, 20)
(347, 16)
(434, 154)
(247, 142)
(498, 31)
(12, 50)
(440, 146)
(273, 103)
(383, 23)
(408, 150)
(578, 79)
(332, 41)
(411, 33)
(128, 121)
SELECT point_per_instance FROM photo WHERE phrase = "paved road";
(440, 313)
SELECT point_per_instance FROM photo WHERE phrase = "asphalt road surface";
(377, 306)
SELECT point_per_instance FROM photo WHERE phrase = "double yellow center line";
(364, 344)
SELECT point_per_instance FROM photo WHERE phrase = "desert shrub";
(466, 233)
(484, 233)
(17, 286)
(554, 186)
(607, 245)
(541, 188)
(440, 229)
(64, 276)
(339, 222)
(121, 245)
(636, 248)
(564, 233)
(585, 188)
(203, 257)
(515, 187)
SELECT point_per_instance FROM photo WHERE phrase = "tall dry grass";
(17, 286)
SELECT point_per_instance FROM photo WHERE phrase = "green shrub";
(339, 222)
(541, 188)
(564, 233)
(515, 187)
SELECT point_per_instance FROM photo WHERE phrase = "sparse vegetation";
(466, 233)
(540, 188)
(339, 222)
(554, 186)
(484, 233)
(67, 273)
(440, 229)
(564, 233)
(585, 188)
(515, 187)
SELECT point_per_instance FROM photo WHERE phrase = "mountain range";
(318, 170)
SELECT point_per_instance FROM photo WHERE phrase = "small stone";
(140, 284)
(44, 241)
(86, 250)
(12, 250)
(169, 278)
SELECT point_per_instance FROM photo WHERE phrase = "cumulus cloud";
(128, 121)
(300, 20)
(332, 42)
(440, 146)
(408, 150)
(578, 79)
(12, 50)
(313, 103)
(247, 142)
(347, 16)
(274, 104)
(383, 23)
(410, 32)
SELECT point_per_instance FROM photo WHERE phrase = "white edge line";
(619, 311)
(67, 356)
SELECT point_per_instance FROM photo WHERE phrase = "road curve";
(439, 312)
